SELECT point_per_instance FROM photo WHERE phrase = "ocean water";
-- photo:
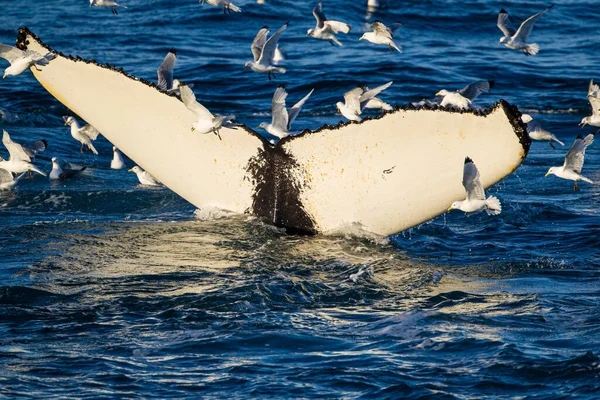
(109, 289)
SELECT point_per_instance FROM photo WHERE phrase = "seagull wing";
(381, 30)
(472, 90)
(352, 101)
(69, 173)
(165, 71)
(5, 176)
(505, 25)
(575, 155)
(526, 27)
(259, 42)
(268, 52)
(593, 97)
(89, 131)
(189, 99)
(279, 113)
(10, 53)
(337, 27)
(368, 94)
(471, 181)
(33, 148)
(15, 150)
(295, 110)
(319, 15)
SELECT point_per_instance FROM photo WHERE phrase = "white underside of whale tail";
(386, 174)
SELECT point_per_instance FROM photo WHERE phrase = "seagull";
(383, 35)
(376, 103)
(594, 99)
(227, 5)
(19, 159)
(207, 122)
(326, 29)
(63, 173)
(536, 132)
(177, 85)
(263, 51)
(165, 71)
(515, 38)
(282, 119)
(475, 201)
(107, 3)
(7, 181)
(356, 99)
(84, 135)
(117, 160)
(144, 177)
(462, 98)
(21, 60)
(571, 169)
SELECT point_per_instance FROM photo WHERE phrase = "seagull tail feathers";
(92, 148)
(532, 49)
(233, 7)
(492, 206)
(34, 169)
(557, 141)
(279, 70)
(395, 46)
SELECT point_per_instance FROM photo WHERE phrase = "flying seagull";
(475, 201)
(107, 3)
(227, 5)
(144, 177)
(282, 119)
(21, 60)
(536, 132)
(207, 122)
(462, 98)
(326, 29)
(19, 159)
(356, 99)
(65, 172)
(571, 169)
(84, 135)
(594, 99)
(383, 35)
(516, 38)
(263, 51)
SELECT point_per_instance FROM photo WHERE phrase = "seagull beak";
(258, 127)
(450, 208)
(4, 76)
(130, 170)
(547, 173)
(438, 94)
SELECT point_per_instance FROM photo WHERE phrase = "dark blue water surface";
(110, 289)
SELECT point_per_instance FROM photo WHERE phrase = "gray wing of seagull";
(319, 15)
(471, 181)
(15, 150)
(165, 71)
(593, 97)
(33, 148)
(576, 154)
(505, 25)
(189, 99)
(268, 51)
(295, 110)
(89, 131)
(368, 94)
(5, 176)
(10, 53)
(259, 42)
(472, 90)
(381, 30)
(351, 99)
(279, 113)
(526, 27)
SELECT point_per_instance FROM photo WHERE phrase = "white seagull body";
(144, 177)
(21, 60)
(263, 51)
(383, 35)
(282, 119)
(356, 100)
(571, 169)
(19, 159)
(536, 132)
(83, 135)
(594, 99)
(117, 160)
(63, 173)
(475, 201)
(207, 122)
(7, 181)
(462, 98)
(227, 5)
(516, 38)
(107, 3)
(326, 29)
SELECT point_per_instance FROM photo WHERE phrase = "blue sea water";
(109, 289)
